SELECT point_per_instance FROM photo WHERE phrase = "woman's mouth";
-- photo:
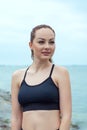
(46, 53)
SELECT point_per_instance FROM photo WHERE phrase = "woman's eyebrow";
(45, 39)
(52, 39)
(41, 38)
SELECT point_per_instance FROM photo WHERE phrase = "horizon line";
(54, 63)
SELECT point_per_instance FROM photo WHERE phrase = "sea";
(78, 79)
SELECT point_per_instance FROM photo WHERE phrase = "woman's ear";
(30, 45)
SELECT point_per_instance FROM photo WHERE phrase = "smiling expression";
(43, 44)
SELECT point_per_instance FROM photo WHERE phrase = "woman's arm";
(16, 119)
(65, 100)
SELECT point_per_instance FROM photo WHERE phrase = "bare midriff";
(41, 120)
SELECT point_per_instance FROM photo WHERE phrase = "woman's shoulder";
(61, 74)
(61, 71)
(18, 76)
(18, 72)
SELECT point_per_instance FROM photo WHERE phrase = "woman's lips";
(46, 53)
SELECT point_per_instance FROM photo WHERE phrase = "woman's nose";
(47, 45)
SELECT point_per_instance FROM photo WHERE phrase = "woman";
(41, 95)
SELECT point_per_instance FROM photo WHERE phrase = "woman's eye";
(51, 42)
(41, 42)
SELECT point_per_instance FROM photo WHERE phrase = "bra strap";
(51, 70)
(25, 73)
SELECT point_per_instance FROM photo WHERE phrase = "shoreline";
(5, 110)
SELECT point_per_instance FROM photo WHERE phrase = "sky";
(67, 17)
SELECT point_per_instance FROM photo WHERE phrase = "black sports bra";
(44, 96)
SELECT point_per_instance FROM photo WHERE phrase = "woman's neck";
(39, 65)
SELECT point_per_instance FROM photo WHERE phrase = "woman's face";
(43, 45)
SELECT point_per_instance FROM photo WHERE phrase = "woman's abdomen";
(41, 120)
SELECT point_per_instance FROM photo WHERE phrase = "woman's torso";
(40, 119)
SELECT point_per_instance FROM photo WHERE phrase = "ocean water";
(78, 75)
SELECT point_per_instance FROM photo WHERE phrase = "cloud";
(17, 18)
